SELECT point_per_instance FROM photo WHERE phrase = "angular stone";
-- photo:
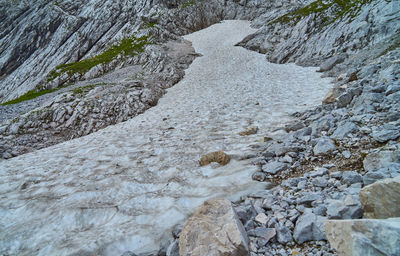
(214, 229)
(351, 177)
(331, 62)
(263, 234)
(309, 227)
(343, 130)
(386, 135)
(381, 159)
(262, 218)
(324, 146)
(258, 176)
(284, 235)
(349, 208)
(294, 126)
(274, 167)
(364, 237)
(218, 156)
(381, 200)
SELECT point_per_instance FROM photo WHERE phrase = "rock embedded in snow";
(214, 229)
(249, 131)
(219, 157)
(381, 200)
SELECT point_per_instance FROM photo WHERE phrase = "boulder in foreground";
(214, 229)
(381, 199)
(364, 237)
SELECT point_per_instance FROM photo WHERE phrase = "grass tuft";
(127, 47)
(28, 96)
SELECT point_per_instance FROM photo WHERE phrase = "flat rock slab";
(365, 237)
(125, 187)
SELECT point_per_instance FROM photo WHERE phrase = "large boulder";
(309, 227)
(365, 237)
(381, 199)
(214, 229)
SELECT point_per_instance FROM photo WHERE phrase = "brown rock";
(249, 131)
(329, 98)
(381, 199)
(218, 156)
(215, 230)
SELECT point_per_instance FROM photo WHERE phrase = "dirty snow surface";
(125, 187)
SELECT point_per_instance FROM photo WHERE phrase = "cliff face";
(39, 36)
(323, 29)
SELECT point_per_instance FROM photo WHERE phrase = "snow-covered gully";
(126, 186)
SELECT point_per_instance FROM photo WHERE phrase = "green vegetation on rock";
(187, 4)
(337, 9)
(127, 47)
(28, 96)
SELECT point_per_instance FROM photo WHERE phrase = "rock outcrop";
(381, 199)
(214, 229)
(364, 237)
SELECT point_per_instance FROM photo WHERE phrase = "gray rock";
(390, 171)
(344, 99)
(308, 198)
(331, 62)
(294, 126)
(320, 210)
(263, 234)
(309, 227)
(320, 182)
(258, 176)
(381, 200)
(343, 130)
(386, 135)
(319, 172)
(274, 167)
(364, 237)
(380, 159)
(173, 249)
(346, 154)
(324, 146)
(351, 177)
(292, 182)
(348, 208)
(284, 235)
(128, 253)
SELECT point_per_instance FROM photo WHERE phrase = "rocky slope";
(66, 111)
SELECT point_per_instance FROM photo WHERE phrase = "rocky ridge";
(71, 112)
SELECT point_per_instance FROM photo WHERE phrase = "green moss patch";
(28, 96)
(187, 4)
(338, 8)
(127, 47)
